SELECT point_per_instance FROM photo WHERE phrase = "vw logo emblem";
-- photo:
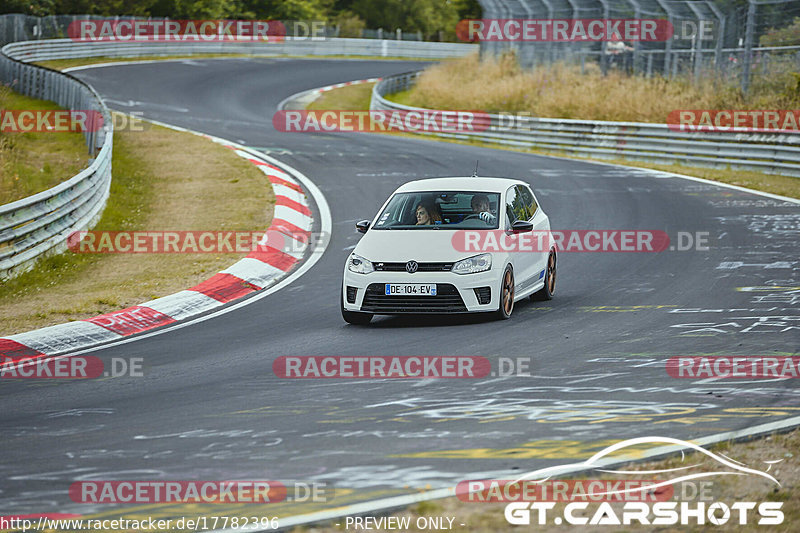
(412, 267)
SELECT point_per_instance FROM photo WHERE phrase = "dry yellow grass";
(561, 91)
(163, 180)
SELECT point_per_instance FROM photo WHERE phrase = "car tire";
(546, 292)
(354, 317)
(506, 304)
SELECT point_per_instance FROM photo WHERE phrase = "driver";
(427, 213)
(480, 207)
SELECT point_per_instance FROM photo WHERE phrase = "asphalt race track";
(211, 408)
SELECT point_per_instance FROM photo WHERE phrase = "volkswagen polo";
(450, 245)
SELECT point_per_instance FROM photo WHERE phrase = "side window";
(528, 200)
(516, 209)
(516, 206)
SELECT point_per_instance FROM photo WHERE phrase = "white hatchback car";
(450, 245)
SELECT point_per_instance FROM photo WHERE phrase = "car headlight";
(359, 265)
(471, 265)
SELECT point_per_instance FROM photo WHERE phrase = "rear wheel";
(546, 292)
(506, 294)
(354, 317)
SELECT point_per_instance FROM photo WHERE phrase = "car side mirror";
(363, 226)
(521, 226)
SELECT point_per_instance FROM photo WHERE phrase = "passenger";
(427, 213)
(480, 207)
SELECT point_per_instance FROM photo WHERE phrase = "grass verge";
(349, 98)
(357, 97)
(163, 180)
(479, 517)
(562, 91)
(32, 162)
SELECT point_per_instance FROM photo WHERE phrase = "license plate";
(410, 289)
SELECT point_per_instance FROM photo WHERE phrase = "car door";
(541, 224)
(518, 209)
(530, 254)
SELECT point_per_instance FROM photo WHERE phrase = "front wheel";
(506, 294)
(546, 292)
(354, 317)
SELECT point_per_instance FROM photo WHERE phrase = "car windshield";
(440, 210)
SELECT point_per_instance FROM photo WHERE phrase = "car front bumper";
(455, 292)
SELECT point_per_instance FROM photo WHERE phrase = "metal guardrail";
(769, 153)
(28, 51)
(41, 223)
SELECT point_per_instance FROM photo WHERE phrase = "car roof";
(481, 183)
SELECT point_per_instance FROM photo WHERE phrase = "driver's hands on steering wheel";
(487, 217)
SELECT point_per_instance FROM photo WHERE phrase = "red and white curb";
(304, 98)
(345, 84)
(291, 223)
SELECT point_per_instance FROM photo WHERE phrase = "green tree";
(102, 7)
(37, 8)
(426, 16)
(786, 36)
(350, 24)
(200, 9)
(290, 9)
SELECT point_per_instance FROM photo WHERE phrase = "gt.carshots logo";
(315, 121)
(660, 513)
(591, 505)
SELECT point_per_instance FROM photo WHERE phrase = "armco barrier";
(770, 153)
(41, 223)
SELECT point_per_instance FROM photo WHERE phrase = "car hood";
(405, 245)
